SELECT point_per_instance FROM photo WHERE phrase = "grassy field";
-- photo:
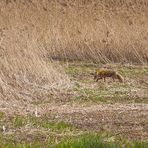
(92, 114)
(48, 50)
(133, 90)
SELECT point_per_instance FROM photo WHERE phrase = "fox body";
(103, 73)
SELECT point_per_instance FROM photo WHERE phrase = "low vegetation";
(133, 90)
(97, 141)
(83, 141)
(47, 95)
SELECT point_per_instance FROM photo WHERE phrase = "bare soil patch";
(129, 120)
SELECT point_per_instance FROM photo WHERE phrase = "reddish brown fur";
(102, 74)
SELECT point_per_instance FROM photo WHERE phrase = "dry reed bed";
(25, 72)
(100, 31)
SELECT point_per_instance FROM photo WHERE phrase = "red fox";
(103, 73)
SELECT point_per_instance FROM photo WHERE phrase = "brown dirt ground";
(129, 120)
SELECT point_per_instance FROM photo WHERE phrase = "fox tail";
(120, 78)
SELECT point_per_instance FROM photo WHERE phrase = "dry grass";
(100, 31)
(25, 72)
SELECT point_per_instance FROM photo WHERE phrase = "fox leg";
(98, 79)
(104, 79)
(113, 79)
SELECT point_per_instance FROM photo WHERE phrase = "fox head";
(95, 74)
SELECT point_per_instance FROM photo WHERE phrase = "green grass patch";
(85, 141)
(35, 144)
(45, 123)
(97, 141)
(19, 121)
(89, 140)
(133, 71)
(111, 94)
(40, 122)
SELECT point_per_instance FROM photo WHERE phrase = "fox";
(103, 73)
